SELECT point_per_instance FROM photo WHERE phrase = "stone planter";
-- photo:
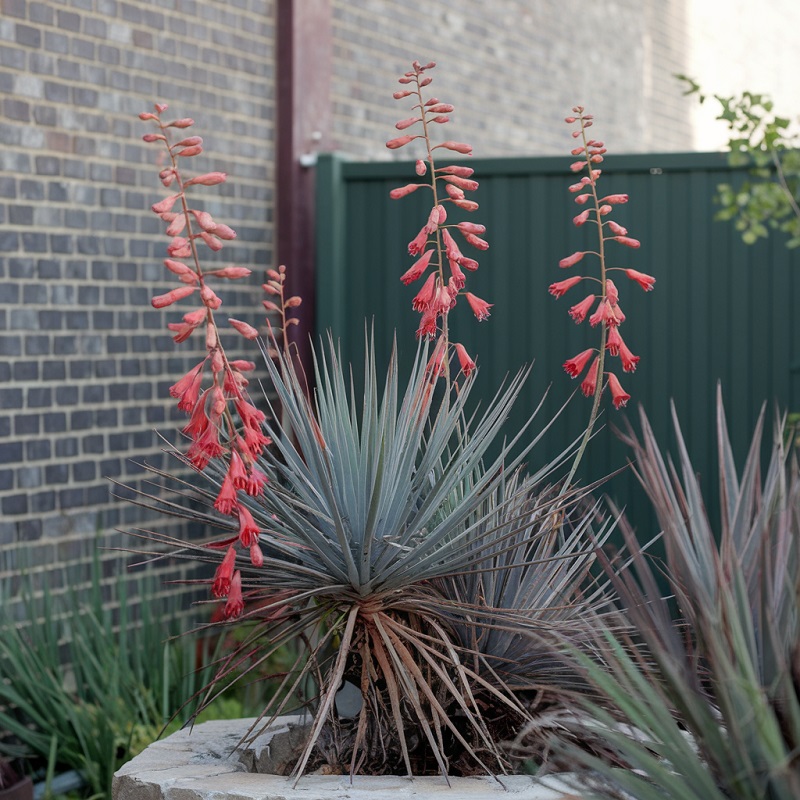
(21, 790)
(203, 764)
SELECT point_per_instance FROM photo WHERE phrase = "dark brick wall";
(85, 362)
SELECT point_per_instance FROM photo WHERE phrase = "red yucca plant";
(366, 525)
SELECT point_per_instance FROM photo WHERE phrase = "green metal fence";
(721, 311)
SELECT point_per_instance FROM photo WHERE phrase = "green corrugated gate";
(721, 311)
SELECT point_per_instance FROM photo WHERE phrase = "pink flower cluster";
(607, 312)
(434, 244)
(223, 421)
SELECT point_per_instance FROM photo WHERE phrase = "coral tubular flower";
(579, 311)
(425, 296)
(480, 308)
(235, 603)
(613, 341)
(628, 359)
(248, 530)
(467, 364)
(417, 268)
(222, 577)
(255, 482)
(645, 281)
(618, 395)
(427, 326)
(400, 141)
(187, 389)
(226, 499)
(589, 383)
(574, 366)
(562, 287)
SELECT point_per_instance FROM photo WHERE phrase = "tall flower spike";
(596, 211)
(434, 246)
(224, 422)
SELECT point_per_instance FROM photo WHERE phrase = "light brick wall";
(84, 361)
(513, 70)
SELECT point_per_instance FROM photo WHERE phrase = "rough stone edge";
(203, 764)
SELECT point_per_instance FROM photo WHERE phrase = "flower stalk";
(608, 314)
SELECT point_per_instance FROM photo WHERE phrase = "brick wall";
(513, 70)
(84, 361)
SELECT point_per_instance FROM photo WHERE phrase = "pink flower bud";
(399, 95)
(186, 122)
(476, 241)
(161, 107)
(467, 205)
(615, 199)
(471, 227)
(163, 300)
(204, 220)
(190, 141)
(165, 205)
(406, 123)
(188, 152)
(210, 298)
(177, 225)
(440, 108)
(441, 119)
(582, 199)
(603, 210)
(457, 169)
(404, 191)
(400, 141)
(425, 81)
(293, 302)
(611, 292)
(146, 115)
(224, 232)
(177, 267)
(232, 273)
(458, 147)
(211, 241)
(577, 166)
(154, 137)
(209, 179)
(627, 241)
(570, 261)
(615, 228)
(420, 167)
(462, 183)
(569, 120)
(589, 383)
(248, 331)
(581, 218)
(442, 214)
(454, 192)
(576, 151)
(243, 366)
(179, 248)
